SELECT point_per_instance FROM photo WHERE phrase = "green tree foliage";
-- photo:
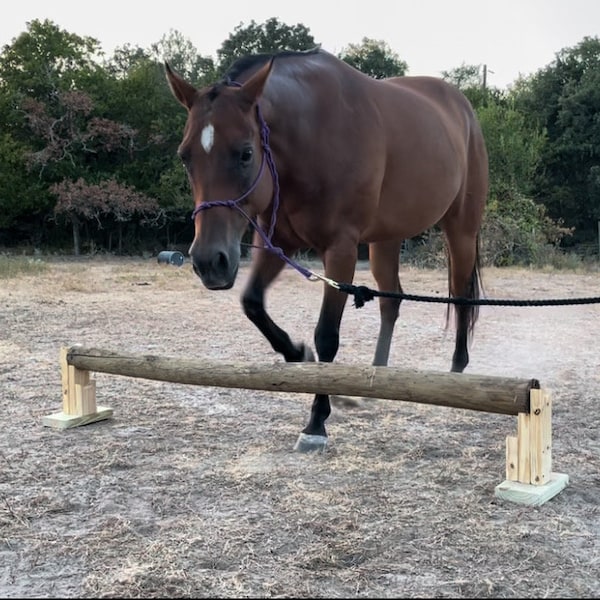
(374, 58)
(516, 229)
(81, 120)
(472, 81)
(514, 143)
(20, 194)
(39, 73)
(269, 37)
(183, 56)
(514, 147)
(142, 100)
(469, 80)
(564, 99)
(45, 58)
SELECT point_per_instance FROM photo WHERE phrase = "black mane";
(243, 64)
(248, 62)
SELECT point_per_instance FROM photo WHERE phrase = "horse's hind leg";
(461, 226)
(384, 258)
(463, 279)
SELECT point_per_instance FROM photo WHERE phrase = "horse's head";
(221, 151)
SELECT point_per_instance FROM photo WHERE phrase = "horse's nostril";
(215, 266)
(221, 262)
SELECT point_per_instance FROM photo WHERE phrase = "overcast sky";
(511, 37)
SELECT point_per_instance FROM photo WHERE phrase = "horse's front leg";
(340, 268)
(265, 268)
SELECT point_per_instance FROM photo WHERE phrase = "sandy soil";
(191, 491)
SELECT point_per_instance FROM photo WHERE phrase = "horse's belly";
(404, 218)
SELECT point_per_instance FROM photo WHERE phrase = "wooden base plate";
(532, 495)
(61, 420)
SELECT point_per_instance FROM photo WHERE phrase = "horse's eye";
(246, 155)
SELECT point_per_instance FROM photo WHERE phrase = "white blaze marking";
(208, 137)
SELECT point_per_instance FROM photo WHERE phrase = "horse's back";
(432, 89)
(460, 121)
(395, 152)
(430, 108)
(453, 108)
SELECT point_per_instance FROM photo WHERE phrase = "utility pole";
(484, 86)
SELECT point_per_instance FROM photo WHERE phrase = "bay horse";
(351, 159)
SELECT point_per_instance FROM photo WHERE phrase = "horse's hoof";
(311, 443)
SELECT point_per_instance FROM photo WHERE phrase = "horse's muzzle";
(217, 270)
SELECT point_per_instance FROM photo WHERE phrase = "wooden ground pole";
(529, 476)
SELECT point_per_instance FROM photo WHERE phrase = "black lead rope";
(363, 294)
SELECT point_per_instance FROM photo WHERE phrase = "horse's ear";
(252, 89)
(182, 90)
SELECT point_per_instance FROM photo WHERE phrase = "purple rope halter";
(236, 203)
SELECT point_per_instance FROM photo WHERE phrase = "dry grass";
(195, 492)
(15, 266)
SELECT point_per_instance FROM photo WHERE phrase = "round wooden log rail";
(503, 395)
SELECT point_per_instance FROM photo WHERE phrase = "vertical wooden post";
(78, 398)
(529, 476)
(540, 438)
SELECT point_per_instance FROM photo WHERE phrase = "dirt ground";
(196, 492)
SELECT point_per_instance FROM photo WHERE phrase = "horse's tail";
(474, 291)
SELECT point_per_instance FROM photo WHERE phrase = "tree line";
(88, 142)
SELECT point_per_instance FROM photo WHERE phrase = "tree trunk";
(76, 236)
